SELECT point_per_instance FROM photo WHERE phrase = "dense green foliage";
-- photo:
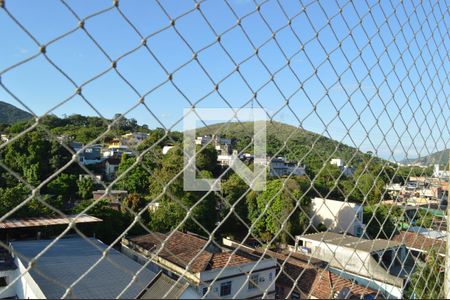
(427, 282)
(301, 145)
(157, 178)
(114, 222)
(276, 212)
(380, 221)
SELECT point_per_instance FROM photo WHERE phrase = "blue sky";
(394, 93)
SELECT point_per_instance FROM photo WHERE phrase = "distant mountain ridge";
(10, 114)
(440, 157)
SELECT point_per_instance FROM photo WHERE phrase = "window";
(295, 295)
(225, 288)
(204, 291)
(3, 282)
(253, 282)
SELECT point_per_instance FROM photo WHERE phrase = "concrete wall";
(26, 287)
(238, 279)
(337, 216)
(8, 292)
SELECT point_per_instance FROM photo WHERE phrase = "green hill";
(10, 114)
(440, 157)
(300, 143)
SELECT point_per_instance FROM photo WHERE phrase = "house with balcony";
(381, 265)
(212, 271)
(302, 277)
(280, 167)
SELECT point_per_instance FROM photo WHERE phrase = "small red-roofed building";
(213, 271)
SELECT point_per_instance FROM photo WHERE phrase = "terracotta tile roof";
(417, 241)
(311, 278)
(327, 284)
(181, 248)
(46, 221)
(220, 260)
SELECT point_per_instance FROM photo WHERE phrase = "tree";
(281, 197)
(382, 225)
(425, 218)
(113, 224)
(175, 202)
(326, 182)
(233, 189)
(85, 187)
(10, 198)
(137, 180)
(428, 280)
(371, 188)
(64, 185)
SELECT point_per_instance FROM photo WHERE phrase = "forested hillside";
(10, 114)
(312, 148)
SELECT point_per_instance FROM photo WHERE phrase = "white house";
(382, 265)
(346, 170)
(280, 167)
(338, 216)
(166, 149)
(5, 138)
(437, 173)
(134, 138)
(214, 273)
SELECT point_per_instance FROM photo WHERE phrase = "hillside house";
(313, 280)
(134, 138)
(345, 170)
(381, 265)
(114, 197)
(203, 262)
(279, 167)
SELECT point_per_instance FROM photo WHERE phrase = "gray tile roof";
(351, 241)
(161, 285)
(70, 258)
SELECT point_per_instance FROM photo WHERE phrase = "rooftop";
(309, 276)
(416, 241)
(46, 221)
(68, 259)
(351, 241)
(112, 192)
(160, 285)
(182, 248)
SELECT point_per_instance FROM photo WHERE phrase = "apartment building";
(379, 264)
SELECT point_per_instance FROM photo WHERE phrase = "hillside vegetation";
(10, 114)
(301, 145)
(440, 157)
